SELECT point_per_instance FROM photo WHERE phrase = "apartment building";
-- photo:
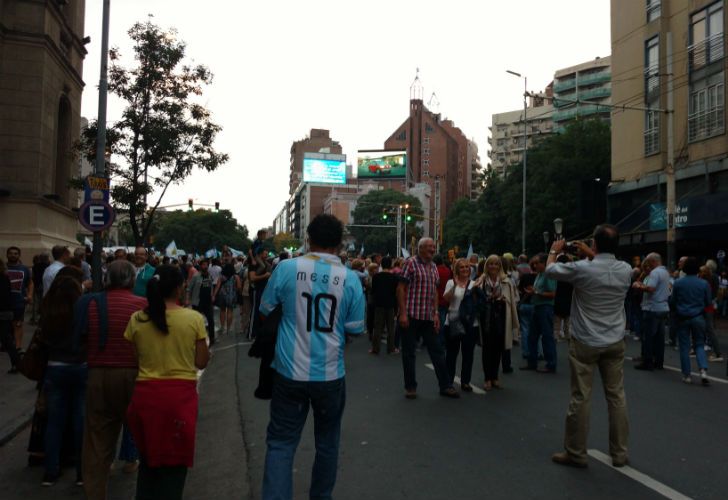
(581, 91)
(507, 132)
(658, 44)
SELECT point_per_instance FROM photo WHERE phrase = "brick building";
(41, 62)
(438, 155)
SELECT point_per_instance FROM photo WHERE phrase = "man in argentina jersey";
(322, 302)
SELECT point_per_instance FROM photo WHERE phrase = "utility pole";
(670, 170)
(525, 159)
(100, 167)
(399, 230)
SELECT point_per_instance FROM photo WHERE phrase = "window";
(654, 9)
(426, 140)
(426, 163)
(652, 96)
(706, 108)
(426, 151)
(402, 136)
(706, 37)
(428, 128)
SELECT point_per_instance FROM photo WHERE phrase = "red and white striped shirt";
(118, 352)
(422, 278)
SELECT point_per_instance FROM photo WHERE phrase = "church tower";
(41, 62)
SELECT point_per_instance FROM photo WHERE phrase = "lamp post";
(525, 155)
(546, 238)
(559, 228)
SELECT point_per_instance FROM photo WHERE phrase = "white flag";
(470, 250)
(171, 250)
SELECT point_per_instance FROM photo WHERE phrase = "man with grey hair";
(418, 317)
(112, 372)
(655, 311)
(80, 254)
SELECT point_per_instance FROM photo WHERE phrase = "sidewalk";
(17, 395)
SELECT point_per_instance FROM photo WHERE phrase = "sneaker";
(687, 380)
(79, 480)
(704, 378)
(49, 479)
(715, 358)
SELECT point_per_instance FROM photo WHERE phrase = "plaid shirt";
(422, 279)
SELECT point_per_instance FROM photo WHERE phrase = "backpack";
(469, 309)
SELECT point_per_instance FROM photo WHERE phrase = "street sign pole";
(100, 166)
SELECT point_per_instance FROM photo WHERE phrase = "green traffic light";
(384, 216)
(409, 218)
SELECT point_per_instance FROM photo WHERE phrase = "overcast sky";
(284, 67)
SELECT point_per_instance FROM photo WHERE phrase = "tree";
(567, 178)
(163, 133)
(284, 240)
(200, 230)
(372, 208)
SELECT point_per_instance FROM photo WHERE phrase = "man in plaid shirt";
(418, 301)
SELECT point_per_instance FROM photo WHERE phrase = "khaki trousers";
(610, 361)
(108, 395)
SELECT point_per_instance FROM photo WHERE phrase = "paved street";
(494, 445)
(498, 445)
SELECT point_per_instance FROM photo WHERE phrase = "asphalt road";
(494, 445)
(499, 444)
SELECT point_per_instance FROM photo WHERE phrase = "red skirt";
(162, 417)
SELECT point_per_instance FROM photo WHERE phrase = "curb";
(15, 427)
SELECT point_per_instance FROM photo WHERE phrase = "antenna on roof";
(417, 91)
(434, 104)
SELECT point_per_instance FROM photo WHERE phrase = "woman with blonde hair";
(498, 318)
(458, 334)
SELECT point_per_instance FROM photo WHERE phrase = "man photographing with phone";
(597, 340)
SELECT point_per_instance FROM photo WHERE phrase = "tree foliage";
(284, 240)
(163, 132)
(200, 230)
(370, 210)
(567, 178)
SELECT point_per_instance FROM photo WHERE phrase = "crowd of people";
(122, 363)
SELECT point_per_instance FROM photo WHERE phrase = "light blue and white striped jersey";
(322, 301)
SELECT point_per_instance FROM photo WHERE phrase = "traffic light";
(408, 218)
(189, 203)
(384, 215)
(217, 206)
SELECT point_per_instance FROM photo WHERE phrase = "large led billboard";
(324, 170)
(382, 165)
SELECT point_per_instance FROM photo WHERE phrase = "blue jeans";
(288, 412)
(435, 347)
(635, 319)
(653, 338)
(543, 327)
(65, 388)
(696, 327)
(525, 318)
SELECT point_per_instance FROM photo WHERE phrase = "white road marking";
(218, 349)
(638, 476)
(476, 390)
(673, 369)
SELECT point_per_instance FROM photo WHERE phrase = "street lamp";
(558, 228)
(546, 238)
(525, 155)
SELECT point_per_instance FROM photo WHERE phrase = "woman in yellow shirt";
(171, 345)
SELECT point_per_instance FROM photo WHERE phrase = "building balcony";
(594, 78)
(566, 84)
(705, 124)
(706, 51)
(581, 110)
(597, 93)
(564, 101)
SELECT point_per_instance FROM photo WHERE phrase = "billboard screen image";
(382, 165)
(324, 171)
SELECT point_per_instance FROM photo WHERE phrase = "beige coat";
(510, 294)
